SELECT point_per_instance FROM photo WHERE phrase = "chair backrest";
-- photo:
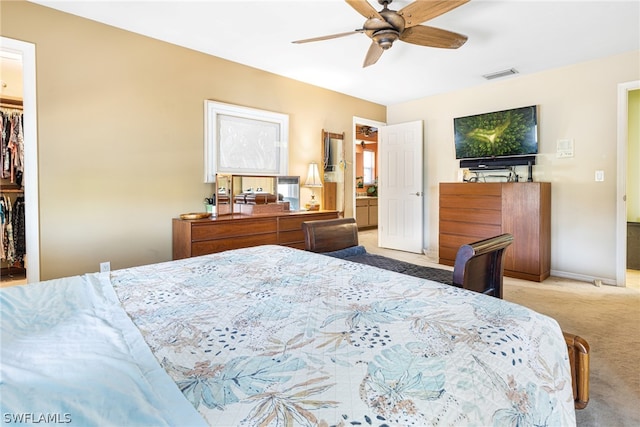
(479, 265)
(330, 235)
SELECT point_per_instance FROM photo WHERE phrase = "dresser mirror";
(248, 194)
(334, 168)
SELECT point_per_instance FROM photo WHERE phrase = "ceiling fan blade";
(365, 9)
(373, 54)
(433, 37)
(422, 10)
(331, 36)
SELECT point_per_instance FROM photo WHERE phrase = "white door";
(400, 192)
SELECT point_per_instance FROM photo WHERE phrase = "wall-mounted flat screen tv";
(508, 137)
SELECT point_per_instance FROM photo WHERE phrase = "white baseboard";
(584, 277)
(432, 255)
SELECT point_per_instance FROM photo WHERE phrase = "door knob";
(417, 193)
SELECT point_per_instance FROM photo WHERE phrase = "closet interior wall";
(12, 209)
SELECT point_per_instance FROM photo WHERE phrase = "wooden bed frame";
(579, 359)
(478, 267)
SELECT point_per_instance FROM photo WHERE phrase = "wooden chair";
(479, 265)
(330, 235)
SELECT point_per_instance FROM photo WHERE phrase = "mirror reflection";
(366, 172)
(250, 194)
(254, 184)
(366, 175)
(334, 170)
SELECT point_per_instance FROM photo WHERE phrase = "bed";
(271, 335)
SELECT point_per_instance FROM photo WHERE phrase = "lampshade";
(313, 176)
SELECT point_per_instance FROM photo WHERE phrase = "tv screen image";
(504, 133)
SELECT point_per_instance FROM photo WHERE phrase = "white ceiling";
(529, 36)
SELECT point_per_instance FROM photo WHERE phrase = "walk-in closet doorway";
(15, 50)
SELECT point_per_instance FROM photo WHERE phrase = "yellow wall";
(633, 158)
(120, 134)
(577, 102)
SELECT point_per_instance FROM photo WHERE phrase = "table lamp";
(313, 181)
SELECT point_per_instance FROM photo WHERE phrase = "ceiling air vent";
(500, 74)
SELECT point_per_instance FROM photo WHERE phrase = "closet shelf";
(6, 102)
(12, 190)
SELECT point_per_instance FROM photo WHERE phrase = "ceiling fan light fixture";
(385, 38)
(500, 74)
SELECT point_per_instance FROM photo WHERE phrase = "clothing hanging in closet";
(12, 226)
(12, 213)
(11, 145)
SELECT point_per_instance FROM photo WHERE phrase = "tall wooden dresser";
(474, 211)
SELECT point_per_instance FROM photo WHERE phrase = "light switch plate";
(599, 176)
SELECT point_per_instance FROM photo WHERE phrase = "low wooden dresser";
(206, 236)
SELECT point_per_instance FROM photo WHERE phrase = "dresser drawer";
(211, 246)
(472, 216)
(454, 241)
(290, 223)
(227, 229)
(476, 230)
(288, 237)
(482, 189)
(471, 202)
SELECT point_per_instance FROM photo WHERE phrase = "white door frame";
(30, 177)
(354, 141)
(621, 185)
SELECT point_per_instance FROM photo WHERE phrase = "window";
(369, 163)
(241, 140)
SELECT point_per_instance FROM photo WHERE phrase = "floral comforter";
(274, 336)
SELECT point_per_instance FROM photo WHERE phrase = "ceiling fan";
(366, 130)
(388, 25)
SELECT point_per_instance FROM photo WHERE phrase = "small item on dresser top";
(210, 205)
(211, 209)
(195, 215)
